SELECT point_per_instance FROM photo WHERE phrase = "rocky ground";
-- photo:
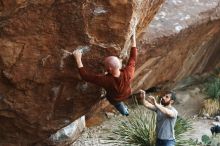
(188, 104)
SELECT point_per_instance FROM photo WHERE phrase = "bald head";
(112, 62)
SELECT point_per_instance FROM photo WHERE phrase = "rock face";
(69, 133)
(40, 89)
(181, 40)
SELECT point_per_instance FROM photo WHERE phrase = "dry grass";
(210, 107)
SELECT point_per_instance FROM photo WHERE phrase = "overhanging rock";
(181, 40)
(40, 88)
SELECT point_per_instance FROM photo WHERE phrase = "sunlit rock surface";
(68, 134)
(183, 39)
(40, 89)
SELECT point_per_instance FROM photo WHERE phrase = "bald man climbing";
(117, 81)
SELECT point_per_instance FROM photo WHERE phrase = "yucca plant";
(213, 88)
(139, 129)
(211, 104)
(182, 125)
(134, 130)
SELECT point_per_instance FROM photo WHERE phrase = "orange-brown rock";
(40, 89)
(181, 40)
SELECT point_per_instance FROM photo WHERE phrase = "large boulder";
(40, 88)
(181, 40)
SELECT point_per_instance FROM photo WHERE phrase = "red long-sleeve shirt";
(117, 88)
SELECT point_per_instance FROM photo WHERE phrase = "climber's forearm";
(133, 42)
(78, 57)
(79, 62)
